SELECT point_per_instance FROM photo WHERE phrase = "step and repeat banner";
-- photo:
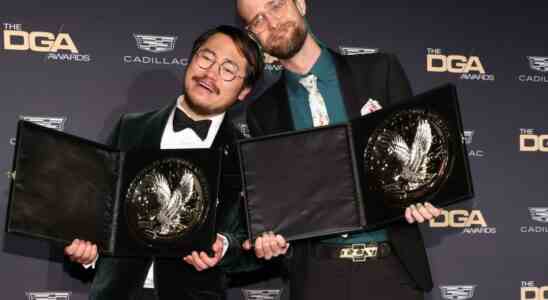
(78, 68)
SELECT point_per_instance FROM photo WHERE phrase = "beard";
(204, 109)
(201, 109)
(280, 48)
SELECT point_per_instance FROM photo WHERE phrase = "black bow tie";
(182, 121)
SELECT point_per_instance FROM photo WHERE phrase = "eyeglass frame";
(199, 56)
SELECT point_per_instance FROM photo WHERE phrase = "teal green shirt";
(328, 84)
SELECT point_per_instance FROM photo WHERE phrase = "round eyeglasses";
(228, 70)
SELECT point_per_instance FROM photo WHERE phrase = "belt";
(353, 252)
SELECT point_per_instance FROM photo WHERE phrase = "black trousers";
(123, 278)
(314, 278)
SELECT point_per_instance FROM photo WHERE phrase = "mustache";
(279, 30)
(216, 90)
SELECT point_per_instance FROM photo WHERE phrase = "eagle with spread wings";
(414, 160)
(172, 203)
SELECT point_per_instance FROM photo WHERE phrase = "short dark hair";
(246, 42)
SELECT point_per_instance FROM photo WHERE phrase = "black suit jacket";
(119, 278)
(362, 77)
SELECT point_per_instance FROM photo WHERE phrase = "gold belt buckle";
(359, 252)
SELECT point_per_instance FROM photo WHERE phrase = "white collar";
(187, 138)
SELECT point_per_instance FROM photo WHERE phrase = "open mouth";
(207, 85)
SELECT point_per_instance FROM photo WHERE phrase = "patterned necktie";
(315, 101)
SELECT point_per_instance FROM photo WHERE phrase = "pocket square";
(370, 106)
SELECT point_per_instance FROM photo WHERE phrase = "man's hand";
(421, 212)
(82, 252)
(202, 261)
(268, 245)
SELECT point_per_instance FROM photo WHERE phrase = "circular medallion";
(407, 157)
(166, 200)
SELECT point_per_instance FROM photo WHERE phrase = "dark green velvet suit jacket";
(122, 278)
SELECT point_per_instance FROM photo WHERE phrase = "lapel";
(275, 113)
(225, 140)
(286, 120)
(348, 86)
(226, 135)
(154, 128)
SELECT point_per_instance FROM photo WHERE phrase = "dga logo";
(262, 294)
(530, 141)
(457, 292)
(48, 295)
(57, 123)
(539, 64)
(471, 222)
(539, 215)
(469, 67)
(156, 44)
(468, 138)
(356, 51)
(58, 46)
(530, 291)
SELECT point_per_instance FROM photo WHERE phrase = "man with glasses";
(319, 87)
(225, 64)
